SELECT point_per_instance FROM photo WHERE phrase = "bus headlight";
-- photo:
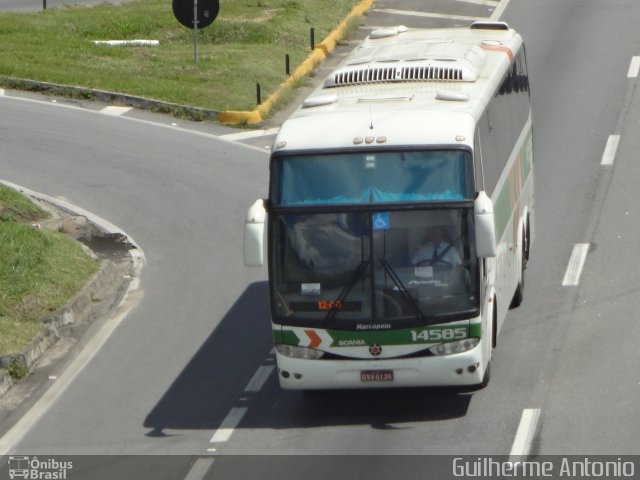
(299, 352)
(455, 347)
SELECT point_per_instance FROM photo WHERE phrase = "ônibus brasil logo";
(32, 468)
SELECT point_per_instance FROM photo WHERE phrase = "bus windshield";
(373, 177)
(347, 269)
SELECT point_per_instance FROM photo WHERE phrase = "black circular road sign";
(207, 12)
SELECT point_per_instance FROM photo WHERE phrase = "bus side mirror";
(254, 235)
(485, 226)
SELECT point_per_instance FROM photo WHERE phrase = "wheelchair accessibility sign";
(380, 221)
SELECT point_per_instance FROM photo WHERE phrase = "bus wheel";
(494, 325)
(518, 295)
(487, 372)
(527, 243)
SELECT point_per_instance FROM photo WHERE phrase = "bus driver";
(437, 250)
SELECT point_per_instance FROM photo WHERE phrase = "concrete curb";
(322, 50)
(100, 223)
(84, 93)
(77, 311)
(100, 295)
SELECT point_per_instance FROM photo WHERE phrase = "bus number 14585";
(440, 334)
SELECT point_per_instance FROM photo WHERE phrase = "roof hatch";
(388, 32)
(431, 61)
(483, 25)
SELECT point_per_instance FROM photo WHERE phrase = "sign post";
(195, 31)
(196, 15)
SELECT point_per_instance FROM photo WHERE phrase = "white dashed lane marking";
(634, 67)
(228, 425)
(525, 434)
(576, 263)
(259, 378)
(199, 469)
(610, 150)
(115, 111)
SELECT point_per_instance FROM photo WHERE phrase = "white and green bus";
(421, 138)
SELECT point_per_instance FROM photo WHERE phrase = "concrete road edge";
(113, 279)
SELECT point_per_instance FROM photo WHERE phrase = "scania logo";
(375, 349)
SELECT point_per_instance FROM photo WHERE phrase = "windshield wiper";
(400, 286)
(347, 288)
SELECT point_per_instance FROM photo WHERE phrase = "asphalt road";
(189, 371)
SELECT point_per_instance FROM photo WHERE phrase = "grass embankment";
(40, 271)
(246, 44)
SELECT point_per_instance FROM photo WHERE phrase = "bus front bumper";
(461, 369)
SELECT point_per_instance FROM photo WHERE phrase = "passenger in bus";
(437, 251)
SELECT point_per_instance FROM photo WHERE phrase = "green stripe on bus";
(343, 338)
(502, 210)
(286, 337)
(475, 330)
(409, 336)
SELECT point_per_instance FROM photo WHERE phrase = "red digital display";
(325, 305)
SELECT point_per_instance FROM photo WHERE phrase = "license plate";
(376, 375)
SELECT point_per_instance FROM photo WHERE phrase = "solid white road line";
(228, 425)
(634, 67)
(576, 262)
(115, 111)
(250, 134)
(259, 378)
(145, 122)
(497, 13)
(199, 469)
(10, 440)
(489, 3)
(610, 150)
(392, 11)
(524, 436)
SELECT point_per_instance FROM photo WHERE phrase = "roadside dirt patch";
(96, 300)
(102, 245)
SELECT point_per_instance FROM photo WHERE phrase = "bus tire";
(494, 325)
(518, 295)
(526, 248)
(486, 378)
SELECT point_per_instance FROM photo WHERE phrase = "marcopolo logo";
(33, 468)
